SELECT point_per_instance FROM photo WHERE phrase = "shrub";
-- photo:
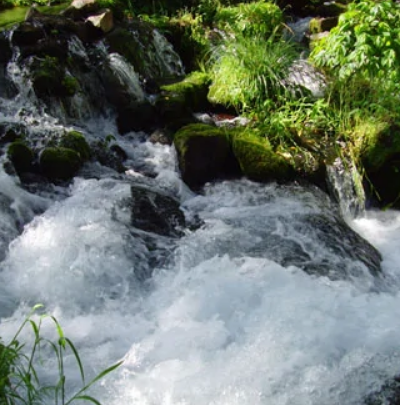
(365, 42)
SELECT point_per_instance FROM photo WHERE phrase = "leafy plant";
(19, 379)
(366, 42)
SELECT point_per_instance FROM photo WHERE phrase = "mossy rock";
(21, 156)
(204, 154)
(58, 163)
(380, 156)
(257, 159)
(124, 42)
(50, 79)
(191, 91)
(76, 141)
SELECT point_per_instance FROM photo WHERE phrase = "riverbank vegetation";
(20, 365)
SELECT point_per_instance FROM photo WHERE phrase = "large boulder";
(204, 154)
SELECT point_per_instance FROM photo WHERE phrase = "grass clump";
(20, 381)
(248, 73)
(249, 19)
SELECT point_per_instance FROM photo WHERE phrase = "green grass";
(247, 72)
(19, 380)
(17, 14)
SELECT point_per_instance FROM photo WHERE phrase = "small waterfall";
(166, 57)
(127, 76)
(345, 184)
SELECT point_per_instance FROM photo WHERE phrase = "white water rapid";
(212, 325)
(233, 312)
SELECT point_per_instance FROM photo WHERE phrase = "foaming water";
(212, 325)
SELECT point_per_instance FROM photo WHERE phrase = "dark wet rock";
(49, 78)
(204, 154)
(136, 116)
(10, 132)
(161, 136)
(388, 394)
(157, 213)
(5, 48)
(112, 157)
(28, 34)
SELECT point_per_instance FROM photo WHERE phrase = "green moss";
(50, 79)
(196, 130)
(192, 91)
(59, 163)
(379, 142)
(20, 155)
(315, 26)
(17, 14)
(70, 85)
(257, 159)
(76, 141)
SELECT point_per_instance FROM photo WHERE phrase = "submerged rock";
(388, 394)
(157, 213)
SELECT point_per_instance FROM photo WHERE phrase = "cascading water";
(266, 300)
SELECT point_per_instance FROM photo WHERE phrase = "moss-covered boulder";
(204, 154)
(76, 141)
(257, 159)
(380, 156)
(58, 163)
(190, 92)
(128, 44)
(21, 156)
(50, 79)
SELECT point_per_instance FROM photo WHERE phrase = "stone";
(103, 21)
(257, 159)
(204, 154)
(21, 156)
(58, 163)
(157, 213)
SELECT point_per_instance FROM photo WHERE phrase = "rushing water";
(211, 326)
(220, 316)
